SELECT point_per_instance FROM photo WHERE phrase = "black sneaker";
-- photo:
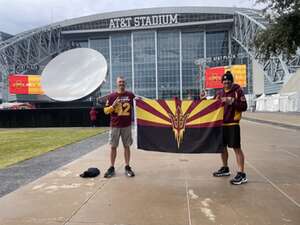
(110, 172)
(222, 172)
(240, 178)
(129, 172)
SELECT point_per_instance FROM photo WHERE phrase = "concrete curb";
(294, 127)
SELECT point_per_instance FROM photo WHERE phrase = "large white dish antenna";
(74, 74)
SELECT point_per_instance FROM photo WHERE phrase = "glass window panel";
(168, 64)
(102, 45)
(144, 63)
(216, 47)
(121, 58)
(192, 49)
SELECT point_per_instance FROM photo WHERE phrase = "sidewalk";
(289, 120)
(169, 189)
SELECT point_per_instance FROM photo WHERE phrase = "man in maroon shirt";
(234, 104)
(119, 105)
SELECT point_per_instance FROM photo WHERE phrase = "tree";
(283, 34)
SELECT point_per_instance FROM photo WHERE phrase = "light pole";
(201, 63)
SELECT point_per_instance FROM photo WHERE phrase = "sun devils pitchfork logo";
(162, 124)
(178, 124)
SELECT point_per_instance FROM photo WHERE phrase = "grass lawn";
(20, 144)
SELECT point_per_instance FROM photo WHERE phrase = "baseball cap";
(91, 172)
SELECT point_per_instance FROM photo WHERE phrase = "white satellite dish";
(74, 74)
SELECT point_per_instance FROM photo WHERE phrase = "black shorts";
(232, 136)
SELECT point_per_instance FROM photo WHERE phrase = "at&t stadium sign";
(143, 21)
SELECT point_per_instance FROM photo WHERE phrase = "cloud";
(20, 15)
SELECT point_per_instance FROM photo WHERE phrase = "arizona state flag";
(180, 126)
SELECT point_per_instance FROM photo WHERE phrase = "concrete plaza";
(169, 189)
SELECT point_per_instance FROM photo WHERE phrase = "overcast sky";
(20, 15)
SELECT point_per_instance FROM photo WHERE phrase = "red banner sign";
(25, 84)
(213, 75)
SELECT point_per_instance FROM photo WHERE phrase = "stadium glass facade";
(160, 61)
(162, 52)
(161, 64)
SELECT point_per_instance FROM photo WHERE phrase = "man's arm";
(240, 102)
(109, 108)
(203, 95)
(217, 96)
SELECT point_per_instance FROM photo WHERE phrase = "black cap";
(227, 76)
(91, 172)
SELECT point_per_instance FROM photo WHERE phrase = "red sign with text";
(213, 77)
(25, 84)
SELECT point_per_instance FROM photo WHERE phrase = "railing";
(277, 69)
(27, 51)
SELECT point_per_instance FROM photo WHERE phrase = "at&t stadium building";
(162, 52)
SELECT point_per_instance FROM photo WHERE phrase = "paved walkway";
(169, 189)
(289, 120)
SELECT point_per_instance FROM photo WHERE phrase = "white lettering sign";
(143, 21)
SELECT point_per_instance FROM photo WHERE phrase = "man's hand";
(203, 94)
(227, 100)
(116, 103)
(223, 99)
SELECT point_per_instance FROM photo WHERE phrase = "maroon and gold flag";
(180, 126)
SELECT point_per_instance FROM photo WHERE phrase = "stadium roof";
(4, 36)
(150, 11)
(146, 11)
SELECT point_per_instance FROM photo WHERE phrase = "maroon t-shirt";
(93, 115)
(239, 104)
(122, 116)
